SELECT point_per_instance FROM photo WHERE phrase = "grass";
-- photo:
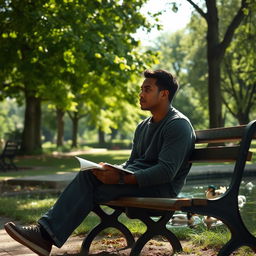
(28, 210)
(53, 164)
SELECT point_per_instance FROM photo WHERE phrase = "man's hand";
(108, 175)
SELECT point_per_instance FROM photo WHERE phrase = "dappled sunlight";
(71, 170)
(35, 204)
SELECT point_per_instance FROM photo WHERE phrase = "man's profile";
(161, 147)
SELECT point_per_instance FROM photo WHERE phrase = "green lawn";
(29, 209)
(50, 164)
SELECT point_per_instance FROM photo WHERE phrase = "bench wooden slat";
(199, 201)
(164, 204)
(217, 135)
(152, 203)
(217, 154)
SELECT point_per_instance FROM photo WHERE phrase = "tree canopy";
(54, 50)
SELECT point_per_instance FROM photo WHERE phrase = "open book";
(88, 165)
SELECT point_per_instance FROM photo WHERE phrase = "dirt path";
(103, 246)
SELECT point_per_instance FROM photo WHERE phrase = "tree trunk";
(114, 133)
(101, 135)
(215, 54)
(60, 127)
(75, 120)
(31, 136)
(243, 118)
(214, 93)
(214, 61)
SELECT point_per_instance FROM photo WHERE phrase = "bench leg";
(240, 236)
(13, 165)
(154, 228)
(2, 166)
(234, 244)
(107, 221)
(230, 216)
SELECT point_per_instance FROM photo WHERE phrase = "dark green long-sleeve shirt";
(161, 150)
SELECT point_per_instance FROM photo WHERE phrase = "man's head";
(159, 87)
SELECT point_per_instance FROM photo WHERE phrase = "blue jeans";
(79, 199)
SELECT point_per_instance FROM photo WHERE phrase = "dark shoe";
(30, 236)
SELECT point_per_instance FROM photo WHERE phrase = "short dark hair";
(164, 81)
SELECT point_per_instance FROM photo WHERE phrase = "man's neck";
(159, 114)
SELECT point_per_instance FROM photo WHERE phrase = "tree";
(216, 49)
(47, 45)
(10, 119)
(109, 95)
(181, 53)
(239, 82)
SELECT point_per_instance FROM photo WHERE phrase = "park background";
(71, 72)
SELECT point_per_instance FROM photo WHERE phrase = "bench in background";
(10, 151)
(235, 144)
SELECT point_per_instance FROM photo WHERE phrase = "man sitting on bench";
(161, 147)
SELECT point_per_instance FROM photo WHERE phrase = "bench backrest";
(229, 144)
(10, 150)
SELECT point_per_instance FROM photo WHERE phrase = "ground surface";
(104, 246)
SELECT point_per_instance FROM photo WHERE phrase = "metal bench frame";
(144, 208)
(7, 156)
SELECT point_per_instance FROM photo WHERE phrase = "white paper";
(88, 165)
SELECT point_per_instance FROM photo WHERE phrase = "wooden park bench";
(235, 147)
(10, 151)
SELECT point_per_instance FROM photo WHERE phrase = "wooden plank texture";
(217, 154)
(165, 204)
(218, 135)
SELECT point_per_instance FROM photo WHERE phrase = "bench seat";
(162, 204)
(229, 144)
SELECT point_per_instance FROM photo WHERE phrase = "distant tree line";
(214, 60)
(78, 61)
(77, 56)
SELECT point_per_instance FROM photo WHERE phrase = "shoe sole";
(12, 232)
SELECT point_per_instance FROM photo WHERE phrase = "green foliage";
(239, 82)
(211, 238)
(184, 54)
(25, 210)
(74, 54)
(10, 119)
(180, 54)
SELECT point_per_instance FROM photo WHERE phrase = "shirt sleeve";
(178, 141)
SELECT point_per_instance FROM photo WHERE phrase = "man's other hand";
(107, 175)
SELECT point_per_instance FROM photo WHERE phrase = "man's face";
(150, 97)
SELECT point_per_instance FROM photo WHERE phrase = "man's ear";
(165, 94)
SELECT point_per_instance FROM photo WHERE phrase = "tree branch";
(70, 115)
(4, 85)
(250, 100)
(232, 27)
(198, 9)
(227, 106)
(227, 65)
